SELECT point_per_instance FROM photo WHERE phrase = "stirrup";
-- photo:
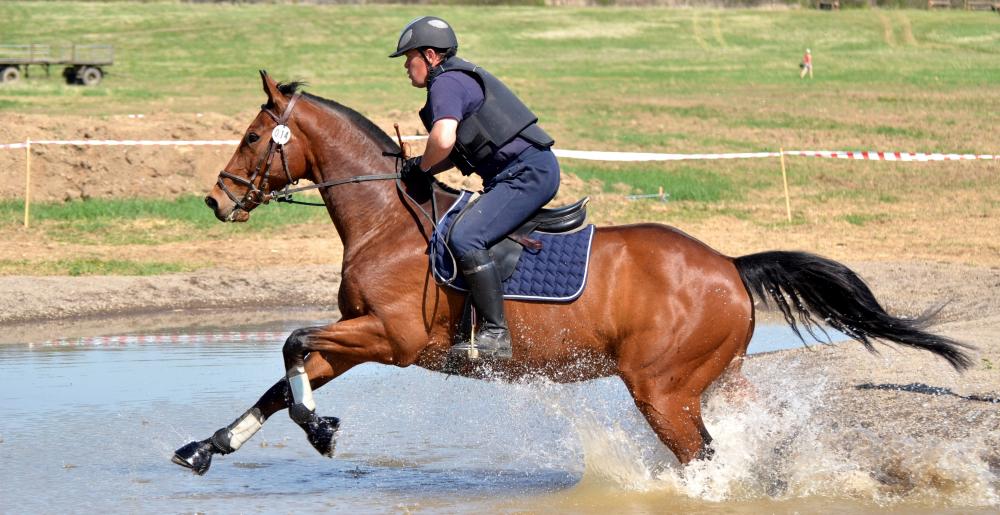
(464, 349)
(500, 348)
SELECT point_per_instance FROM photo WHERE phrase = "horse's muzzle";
(234, 214)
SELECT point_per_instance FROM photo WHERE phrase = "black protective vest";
(500, 119)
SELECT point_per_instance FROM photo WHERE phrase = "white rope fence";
(589, 155)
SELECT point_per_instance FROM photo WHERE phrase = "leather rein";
(258, 194)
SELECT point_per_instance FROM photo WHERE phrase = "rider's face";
(416, 67)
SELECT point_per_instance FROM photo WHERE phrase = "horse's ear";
(274, 97)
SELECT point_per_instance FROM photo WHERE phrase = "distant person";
(806, 65)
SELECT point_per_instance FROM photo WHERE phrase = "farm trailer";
(84, 64)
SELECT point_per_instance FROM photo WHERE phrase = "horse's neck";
(363, 212)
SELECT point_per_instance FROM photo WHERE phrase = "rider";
(478, 125)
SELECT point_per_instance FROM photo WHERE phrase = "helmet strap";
(432, 70)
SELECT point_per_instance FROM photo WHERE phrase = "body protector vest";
(500, 119)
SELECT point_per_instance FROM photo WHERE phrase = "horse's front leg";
(357, 340)
(313, 356)
(197, 456)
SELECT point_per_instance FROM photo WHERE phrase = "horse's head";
(270, 156)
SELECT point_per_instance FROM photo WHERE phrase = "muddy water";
(89, 425)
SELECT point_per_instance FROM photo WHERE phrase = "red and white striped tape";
(127, 340)
(890, 156)
(587, 154)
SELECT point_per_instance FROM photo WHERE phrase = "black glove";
(410, 169)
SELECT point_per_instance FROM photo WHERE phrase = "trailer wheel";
(10, 74)
(91, 76)
(69, 73)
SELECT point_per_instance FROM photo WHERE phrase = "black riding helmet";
(424, 32)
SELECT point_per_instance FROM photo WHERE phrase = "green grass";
(608, 78)
(680, 183)
(205, 56)
(860, 219)
(147, 221)
(90, 266)
(626, 79)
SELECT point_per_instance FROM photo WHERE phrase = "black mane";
(355, 117)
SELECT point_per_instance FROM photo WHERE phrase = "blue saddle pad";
(556, 272)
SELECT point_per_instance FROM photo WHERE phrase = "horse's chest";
(350, 298)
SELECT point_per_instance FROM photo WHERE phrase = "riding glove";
(410, 169)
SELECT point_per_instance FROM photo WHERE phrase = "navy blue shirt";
(457, 95)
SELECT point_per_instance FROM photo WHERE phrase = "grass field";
(685, 80)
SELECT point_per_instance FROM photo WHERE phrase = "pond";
(90, 424)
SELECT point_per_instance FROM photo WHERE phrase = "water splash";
(781, 443)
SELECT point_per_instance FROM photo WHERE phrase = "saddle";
(555, 230)
(507, 251)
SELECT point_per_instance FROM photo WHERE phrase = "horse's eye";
(252, 138)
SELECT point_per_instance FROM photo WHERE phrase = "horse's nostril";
(210, 202)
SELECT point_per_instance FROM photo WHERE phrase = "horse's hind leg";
(668, 392)
(676, 419)
(735, 385)
(197, 456)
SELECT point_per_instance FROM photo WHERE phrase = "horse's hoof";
(196, 456)
(322, 432)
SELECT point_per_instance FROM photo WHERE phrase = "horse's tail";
(812, 290)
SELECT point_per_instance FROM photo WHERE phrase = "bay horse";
(661, 310)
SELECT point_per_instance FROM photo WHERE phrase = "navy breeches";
(508, 200)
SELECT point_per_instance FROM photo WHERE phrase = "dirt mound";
(71, 172)
(68, 172)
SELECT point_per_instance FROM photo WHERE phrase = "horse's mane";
(359, 120)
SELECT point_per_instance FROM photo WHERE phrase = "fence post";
(27, 181)
(784, 178)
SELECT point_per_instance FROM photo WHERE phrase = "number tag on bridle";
(281, 134)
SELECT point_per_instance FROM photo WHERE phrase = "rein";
(285, 195)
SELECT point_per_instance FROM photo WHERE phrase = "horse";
(661, 310)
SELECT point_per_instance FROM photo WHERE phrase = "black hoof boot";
(322, 434)
(320, 431)
(196, 456)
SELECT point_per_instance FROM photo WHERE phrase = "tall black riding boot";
(492, 338)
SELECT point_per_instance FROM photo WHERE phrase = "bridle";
(259, 194)
(280, 135)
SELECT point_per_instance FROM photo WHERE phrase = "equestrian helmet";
(424, 32)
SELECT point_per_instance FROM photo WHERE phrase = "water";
(90, 426)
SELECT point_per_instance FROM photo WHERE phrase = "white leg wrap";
(301, 391)
(244, 428)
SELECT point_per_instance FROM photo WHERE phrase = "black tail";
(823, 291)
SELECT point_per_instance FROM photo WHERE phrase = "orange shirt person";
(807, 65)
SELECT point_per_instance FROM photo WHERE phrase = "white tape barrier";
(150, 143)
(646, 156)
(587, 154)
(133, 340)
(120, 143)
